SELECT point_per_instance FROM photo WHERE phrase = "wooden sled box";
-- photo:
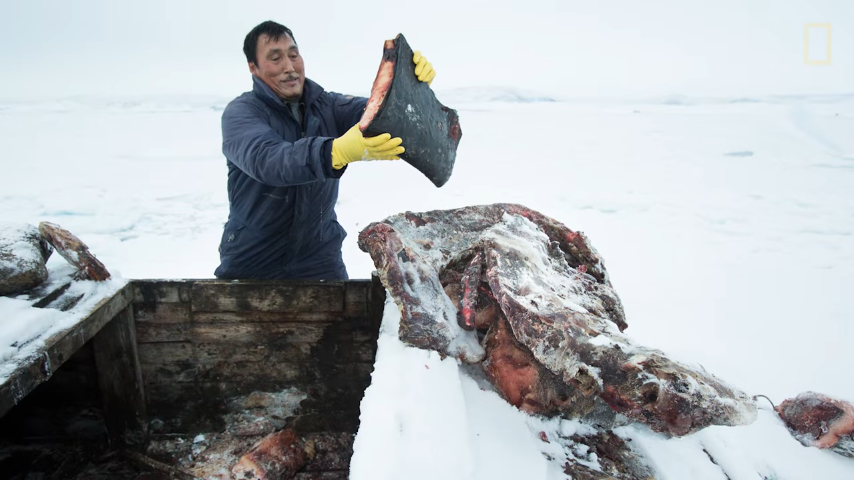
(182, 374)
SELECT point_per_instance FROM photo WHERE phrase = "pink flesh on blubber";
(381, 86)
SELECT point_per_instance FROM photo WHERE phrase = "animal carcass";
(75, 252)
(817, 420)
(23, 254)
(530, 300)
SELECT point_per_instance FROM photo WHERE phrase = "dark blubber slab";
(407, 108)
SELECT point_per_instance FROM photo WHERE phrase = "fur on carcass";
(277, 456)
(817, 420)
(73, 250)
(530, 299)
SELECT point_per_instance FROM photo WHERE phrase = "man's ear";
(253, 69)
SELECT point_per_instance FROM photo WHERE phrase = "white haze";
(52, 49)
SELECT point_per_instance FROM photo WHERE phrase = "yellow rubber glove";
(423, 69)
(353, 147)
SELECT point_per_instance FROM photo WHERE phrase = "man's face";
(280, 66)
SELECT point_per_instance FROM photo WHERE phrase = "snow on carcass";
(547, 299)
(23, 255)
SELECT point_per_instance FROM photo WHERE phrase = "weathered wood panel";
(269, 317)
(147, 332)
(152, 292)
(201, 344)
(174, 352)
(215, 340)
(59, 348)
(120, 380)
(248, 373)
(233, 372)
(164, 352)
(269, 355)
(274, 354)
(248, 296)
(357, 299)
(162, 312)
(257, 333)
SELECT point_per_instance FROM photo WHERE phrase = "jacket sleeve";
(254, 147)
(348, 110)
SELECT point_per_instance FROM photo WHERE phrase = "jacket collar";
(310, 93)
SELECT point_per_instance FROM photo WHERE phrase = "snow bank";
(424, 417)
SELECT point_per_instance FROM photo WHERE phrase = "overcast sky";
(54, 49)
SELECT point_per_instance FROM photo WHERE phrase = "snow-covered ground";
(727, 226)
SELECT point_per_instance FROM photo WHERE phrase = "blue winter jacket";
(282, 188)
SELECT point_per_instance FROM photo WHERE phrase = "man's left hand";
(423, 69)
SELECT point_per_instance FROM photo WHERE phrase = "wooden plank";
(257, 333)
(165, 353)
(248, 373)
(276, 354)
(162, 312)
(270, 355)
(356, 298)
(59, 348)
(52, 296)
(178, 352)
(161, 291)
(281, 317)
(147, 332)
(244, 336)
(253, 374)
(257, 296)
(120, 380)
(356, 309)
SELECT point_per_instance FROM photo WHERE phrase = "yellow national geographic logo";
(817, 44)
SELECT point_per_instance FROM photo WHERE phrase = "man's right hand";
(353, 147)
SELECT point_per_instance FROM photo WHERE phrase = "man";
(287, 142)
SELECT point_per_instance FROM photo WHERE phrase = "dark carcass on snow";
(817, 420)
(74, 251)
(407, 108)
(530, 301)
(23, 254)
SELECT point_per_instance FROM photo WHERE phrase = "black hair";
(273, 30)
